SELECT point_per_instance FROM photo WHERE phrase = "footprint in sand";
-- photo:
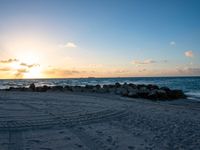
(67, 138)
(78, 145)
(99, 132)
(131, 147)
(44, 148)
(61, 132)
(34, 141)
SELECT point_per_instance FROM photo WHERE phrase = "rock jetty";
(150, 91)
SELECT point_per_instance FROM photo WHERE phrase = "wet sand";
(73, 121)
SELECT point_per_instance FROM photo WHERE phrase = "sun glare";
(15, 65)
(28, 64)
(33, 73)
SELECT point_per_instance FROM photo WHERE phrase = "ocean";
(190, 85)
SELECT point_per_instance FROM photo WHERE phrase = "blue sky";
(118, 35)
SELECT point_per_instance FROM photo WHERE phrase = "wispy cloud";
(62, 72)
(5, 69)
(29, 65)
(9, 61)
(189, 71)
(144, 62)
(68, 45)
(20, 72)
(189, 53)
(172, 43)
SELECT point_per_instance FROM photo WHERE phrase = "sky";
(99, 38)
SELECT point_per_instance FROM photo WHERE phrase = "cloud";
(121, 71)
(5, 69)
(145, 62)
(95, 65)
(62, 72)
(189, 71)
(142, 70)
(68, 45)
(172, 43)
(9, 61)
(29, 65)
(20, 72)
(164, 61)
(189, 53)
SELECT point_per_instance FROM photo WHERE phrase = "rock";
(150, 91)
(141, 86)
(45, 88)
(176, 94)
(57, 88)
(102, 90)
(165, 95)
(121, 91)
(117, 85)
(38, 89)
(143, 92)
(153, 95)
(89, 86)
(106, 88)
(133, 93)
(162, 95)
(68, 88)
(96, 88)
(157, 95)
(17, 89)
(77, 89)
(112, 90)
(165, 89)
(125, 85)
(42, 88)
(152, 87)
(32, 86)
(132, 85)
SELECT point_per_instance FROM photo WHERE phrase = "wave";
(194, 95)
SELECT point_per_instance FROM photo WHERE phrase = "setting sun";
(33, 73)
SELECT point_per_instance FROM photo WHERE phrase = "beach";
(93, 121)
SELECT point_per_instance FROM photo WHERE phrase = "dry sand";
(72, 121)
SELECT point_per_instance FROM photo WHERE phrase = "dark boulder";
(117, 85)
(133, 93)
(105, 88)
(77, 89)
(96, 88)
(176, 94)
(32, 86)
(121, 91)
(132, 85)
(157, 95)
(165, 89)
(143, 92)
(89, 86)
(152, 87)
(68, 88)
(57, 88)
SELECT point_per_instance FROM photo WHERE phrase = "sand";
(78, 121)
